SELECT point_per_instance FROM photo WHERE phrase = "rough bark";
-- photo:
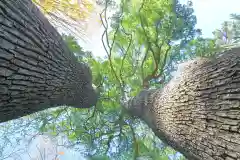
(37, 70)
(198, 113)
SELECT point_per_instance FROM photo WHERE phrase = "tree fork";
(37, 70)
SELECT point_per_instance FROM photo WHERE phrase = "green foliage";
(72, 44)
(144, 34)
(74, 47)
(200, 47)
(229, 32)
(99, 158)
(146, 41)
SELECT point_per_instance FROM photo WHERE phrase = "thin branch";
(109, 54)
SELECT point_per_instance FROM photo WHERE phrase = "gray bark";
(37, 70)
(197, 114)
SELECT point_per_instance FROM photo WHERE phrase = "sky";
(210, 15)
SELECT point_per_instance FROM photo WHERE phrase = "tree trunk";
(198, 113)
(37, 70)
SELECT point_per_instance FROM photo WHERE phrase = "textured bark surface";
(198, 113)
(37, 71)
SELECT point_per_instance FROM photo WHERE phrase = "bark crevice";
(198, 113)
(37, 70)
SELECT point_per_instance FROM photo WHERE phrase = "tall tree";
(155, 46)
(182, 123)
(197, 113)
(37, 70)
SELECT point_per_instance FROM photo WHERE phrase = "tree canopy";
(144, 41)
(68, 15)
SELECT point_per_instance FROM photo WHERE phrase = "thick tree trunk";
(37, 71)
(198, 114)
